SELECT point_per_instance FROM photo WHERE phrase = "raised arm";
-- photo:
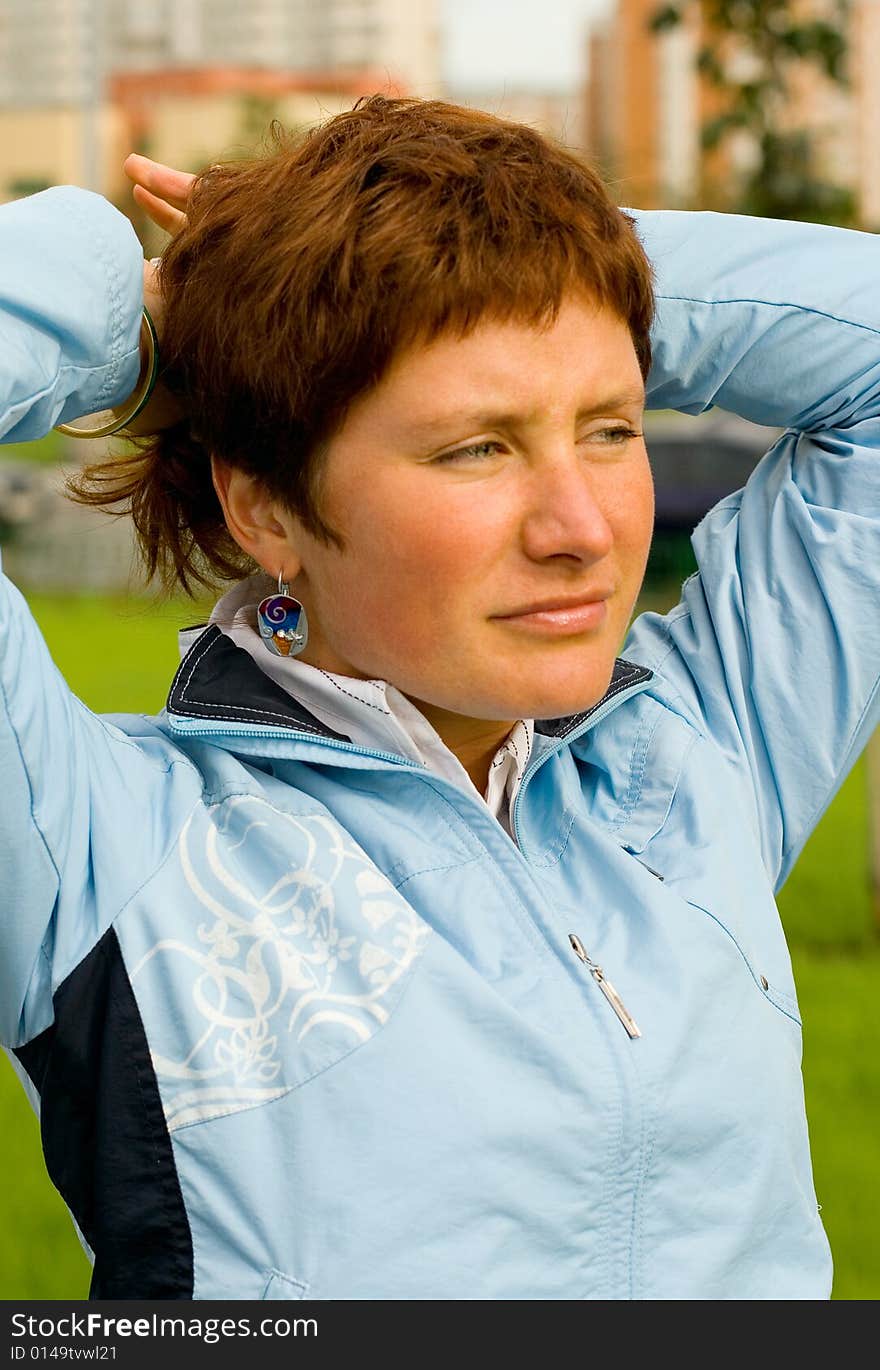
(775, 646)
(774, 320)
(79, 798)
(71, 293)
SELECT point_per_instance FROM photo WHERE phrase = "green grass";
(119, 657)
(826, 901)
(117, 654)
(40, 1255)
(47, 451)
(838, 995)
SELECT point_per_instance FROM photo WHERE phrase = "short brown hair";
(302, 273)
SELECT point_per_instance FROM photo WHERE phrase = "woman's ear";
(259, 525)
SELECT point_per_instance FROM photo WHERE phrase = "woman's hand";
(162, 192)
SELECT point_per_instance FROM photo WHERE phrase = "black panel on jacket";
(105, 1141)
(216, 677)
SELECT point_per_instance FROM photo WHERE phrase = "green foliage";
(21, 186)
(670, 561)
(709, 66)
(787, 189)
(665, 18)
(47, 451)
(784, 183)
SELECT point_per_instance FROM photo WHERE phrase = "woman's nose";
(564, 515)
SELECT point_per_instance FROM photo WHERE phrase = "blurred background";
(749, 106)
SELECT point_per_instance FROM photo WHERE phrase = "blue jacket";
(303, 1020)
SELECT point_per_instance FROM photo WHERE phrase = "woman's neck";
(475, 741)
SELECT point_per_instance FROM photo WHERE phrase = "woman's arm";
(86, 808)
(775, 646)
(774, 320)
(71, 295)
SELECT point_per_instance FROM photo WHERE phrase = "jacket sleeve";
(775, 645)
(71, 293)
(70, 300)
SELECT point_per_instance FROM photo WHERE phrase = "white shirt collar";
(372, 713)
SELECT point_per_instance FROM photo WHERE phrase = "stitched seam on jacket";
(638, 762)
(114, 297)
(776, 304)
(172, 848)
(638, 1199)
(432, 870)
(556, 849)
(369, 703)
(780, 994)
(42, 952)
(272, 1272)
(26, 769)
(230, 714)
(221, 711)
(120, 739)
(214, 798)
(28, 401)
(808, 827)
(639, 1235)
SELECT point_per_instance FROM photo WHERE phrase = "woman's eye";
(616, 437)
(477, 450)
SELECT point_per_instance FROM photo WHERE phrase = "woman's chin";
(537, 703)
(559, 697)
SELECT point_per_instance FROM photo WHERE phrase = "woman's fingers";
(160, 180)
(160, 211)
(160, 190)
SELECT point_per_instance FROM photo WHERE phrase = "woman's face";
(496, 514)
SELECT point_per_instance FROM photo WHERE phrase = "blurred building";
(644, 105)
(82, 82)
(396, 37)
(552, 112)
(185, 117)
(49, 48)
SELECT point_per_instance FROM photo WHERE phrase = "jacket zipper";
(605, 986)
(596, 715)
(284, 735)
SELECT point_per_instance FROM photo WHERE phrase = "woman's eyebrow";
(496, 419)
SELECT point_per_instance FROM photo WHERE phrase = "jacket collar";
(216, 676)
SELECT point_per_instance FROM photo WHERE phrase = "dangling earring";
(282, 622)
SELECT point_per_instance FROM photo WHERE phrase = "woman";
(309, 971)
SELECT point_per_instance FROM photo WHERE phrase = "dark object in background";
(23, 497)
(696, 462)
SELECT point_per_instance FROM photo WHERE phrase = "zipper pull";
(605, 986)
(629, 851)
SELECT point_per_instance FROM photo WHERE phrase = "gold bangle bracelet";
(145, 387)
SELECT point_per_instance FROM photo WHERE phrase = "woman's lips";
(566, 619)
